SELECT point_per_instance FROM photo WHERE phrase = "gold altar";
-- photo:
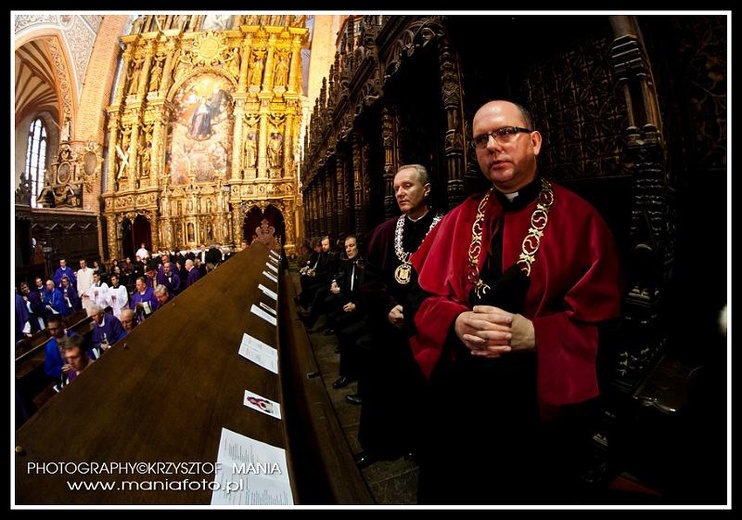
(204, 131)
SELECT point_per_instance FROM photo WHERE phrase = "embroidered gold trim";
(403, 272)
(529, 247)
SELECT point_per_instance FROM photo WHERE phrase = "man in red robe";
(518, 282)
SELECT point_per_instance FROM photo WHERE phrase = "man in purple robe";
(143, 301)
(106, 331)
(53, 299)
(64, 270)
(193, 274)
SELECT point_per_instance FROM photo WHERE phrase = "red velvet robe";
(575, 285)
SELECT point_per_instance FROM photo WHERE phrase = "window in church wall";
(36, 158)
(200, 134)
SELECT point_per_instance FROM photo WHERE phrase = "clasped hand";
(396, 316)
(491, 332)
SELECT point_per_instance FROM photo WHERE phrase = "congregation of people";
(116, 296)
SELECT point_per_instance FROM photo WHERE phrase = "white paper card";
(268, 292)
(262, 404)
(271, 276)
(272, 267)
(259, 353)
(260, 312)
(250, 472)
(268, 308)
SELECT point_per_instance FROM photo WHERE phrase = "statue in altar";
(266, 234)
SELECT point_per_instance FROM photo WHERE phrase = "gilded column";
(289, 241)
(159, 138)
(132, 152)
(113, 239)
(262, 169)
(113, 123)
(144, 73)
(166, 229)
(268, 76)
(238, 163)
(288, 139)
(295, 66)
(167, 72)
(246, 50)
(236, 222)
(126, 62)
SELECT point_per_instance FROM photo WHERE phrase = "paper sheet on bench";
(259, 353)
(250, 472)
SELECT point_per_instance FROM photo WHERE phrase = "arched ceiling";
(35, 80)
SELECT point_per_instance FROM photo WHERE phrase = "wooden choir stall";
(179, 411)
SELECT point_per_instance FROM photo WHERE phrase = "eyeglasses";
(504, 135)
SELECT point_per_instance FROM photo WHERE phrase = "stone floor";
(390, 482)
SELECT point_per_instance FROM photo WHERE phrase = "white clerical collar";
(418, 218)
(511, 196)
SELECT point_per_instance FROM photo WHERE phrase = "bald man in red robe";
(518, 282)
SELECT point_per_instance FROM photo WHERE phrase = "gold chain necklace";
(403, 272)
(539, 219)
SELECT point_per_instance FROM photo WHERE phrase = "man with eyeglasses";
(54, 364)
(517, 282)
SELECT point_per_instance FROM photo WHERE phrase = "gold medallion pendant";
(403, 273)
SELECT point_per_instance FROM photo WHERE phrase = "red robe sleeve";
(575, 285)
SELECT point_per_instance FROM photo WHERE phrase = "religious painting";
(199, 147)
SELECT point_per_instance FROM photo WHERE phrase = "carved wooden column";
(340, 193)
(642, 338)
(652, 204)
(388, 141)
(454, 140)
(315, 212)
(329, 207)
(358, 202)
